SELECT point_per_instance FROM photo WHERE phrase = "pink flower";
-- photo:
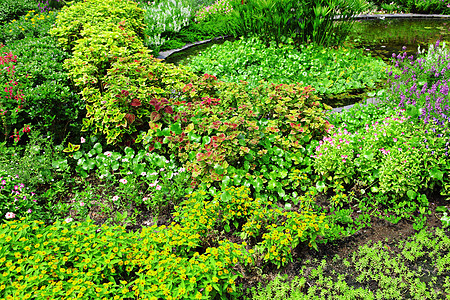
(68, 220)
(123, 180)
(10, 215)
(158, 187)
(153, 184)
(144, 199)
(81, 203)
(29, 211)
(83, 140)
(143, 173)
(115, 198)
(108, 154)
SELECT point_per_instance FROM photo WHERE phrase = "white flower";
(108, 153)
(68, 220)
(143, 173)
(10, 215)
(115, 198)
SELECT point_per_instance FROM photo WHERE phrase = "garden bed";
(123, 177)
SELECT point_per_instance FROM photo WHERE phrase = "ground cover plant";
(176, 185)
(329, 71)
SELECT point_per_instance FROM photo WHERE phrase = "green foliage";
(272, 231)
(210, 135)
(11, 97)
(31, 25)
(421, 259)
(15, 200)
(194, 32)
(220, 7)
(139, 90)
(305, 21)
(147, 179)
(84, 260)
(280, 289)
(74, 20)
(109, 64)
(38, 163)
(329, 71)
(386, 153)
(50, 102)
(356, 118)
(425, 6)
(13, 9)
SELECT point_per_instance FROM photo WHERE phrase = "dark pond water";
(384, 37)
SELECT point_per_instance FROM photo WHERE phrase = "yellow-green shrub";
(274, 232)
(89, 262)
(73, 20)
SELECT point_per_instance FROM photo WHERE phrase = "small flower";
(115, 198)
(123, 180)
(83, 140)
(145, 199)
(108, 154)
(158, 187)
(129, 173)
(10, 215)
(125, 160)
(68, 220)
(81, 203)
(143, 173)
(29, 211)
(154, 183)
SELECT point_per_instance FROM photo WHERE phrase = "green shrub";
(73, 20)
(387, 156)
(13, 9)
(33, 24)
(11, 97)
(50, 102)
(217, 125)
(139, 91)
(86, 261)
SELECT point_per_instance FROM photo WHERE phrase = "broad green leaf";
(226, 197)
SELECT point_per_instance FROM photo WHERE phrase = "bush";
(74, 20)
(33, 24)
(13, 9)
(50, 102)
(87, 261)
